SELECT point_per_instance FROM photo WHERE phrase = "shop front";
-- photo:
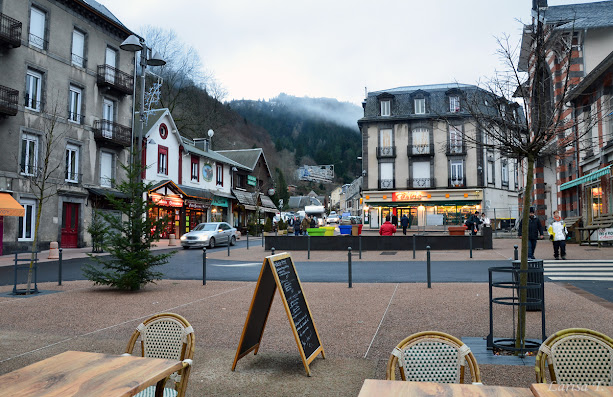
(423, 208)
(195, 213)
(220, 209)
(167, 207)
(244, 208)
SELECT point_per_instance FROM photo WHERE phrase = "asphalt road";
(187, 265)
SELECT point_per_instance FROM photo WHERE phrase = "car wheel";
(233, 240)
(212, 243)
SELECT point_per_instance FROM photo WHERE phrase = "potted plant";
(282, 227)
(268, 227)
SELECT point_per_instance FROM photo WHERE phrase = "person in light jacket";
(557, 234)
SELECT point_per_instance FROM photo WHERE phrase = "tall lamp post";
(135, 44)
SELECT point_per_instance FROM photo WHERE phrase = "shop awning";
(587, 178)
(9, 206)
(244, 198)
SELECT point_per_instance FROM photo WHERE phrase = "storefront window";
(596, 200)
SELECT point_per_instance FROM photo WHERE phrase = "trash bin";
(355, 230)
(534, 278)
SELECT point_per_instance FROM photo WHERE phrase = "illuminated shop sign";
(166, 201)
(406, 196)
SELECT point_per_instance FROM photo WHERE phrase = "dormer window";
(386, 108)
(454, 104)
(420, 105)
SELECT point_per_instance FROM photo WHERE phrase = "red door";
(70, 225)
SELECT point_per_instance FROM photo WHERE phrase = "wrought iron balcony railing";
(10, 31)
(422, 149)
(106, 131)
(76, 117)
(421, 183)
(386, 151)
(113, 78)
(456, 182)
(386, 184)
(79, 60)
(38, 42)
(73, 177)
(32, 103)
(9, 99)
(456, 149)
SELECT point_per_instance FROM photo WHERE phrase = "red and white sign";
(406, 196)
(166, 201)
(605, 234)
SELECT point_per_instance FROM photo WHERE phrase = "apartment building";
(421, 156)
(66, 97)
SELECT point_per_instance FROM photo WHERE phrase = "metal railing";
(10, 31)
(112, 133)
(115, 78)
(420, 183)
(9, 99)
(386, 184)
(422, 149)
(76, 117)
(38, 42)
(453, 149)
(456, 182)
(73, 177)
(386, 151)
(31, 104)
(79, 60)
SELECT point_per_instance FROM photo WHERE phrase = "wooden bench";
(572, 224)
(601, 222)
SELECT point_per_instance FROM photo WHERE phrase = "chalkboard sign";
(279, 271)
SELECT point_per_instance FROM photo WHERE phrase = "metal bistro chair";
(432, 356)
(577, 356)
(167, 336)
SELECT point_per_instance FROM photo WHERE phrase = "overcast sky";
(335, 48)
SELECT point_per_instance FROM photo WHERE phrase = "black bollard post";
(229, 247)
(349, 264)
(308, 247)
(516, 253)
(428, 266)
(59, 270)
(272, 251)
(414, 238)
(360, 244)
(203, 266)
(262, 239)
(247, 239)
(470, 239)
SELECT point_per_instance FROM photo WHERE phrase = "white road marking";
(241, 264)
(576, 274)
(582, 278)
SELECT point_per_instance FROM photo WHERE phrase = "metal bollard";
(349, 264)
(229, 247)
(272, 251)
(203, 266)
(247, 239)
(59, 270)
(414, 239)
(308, 246)
(262, 239)
(428, 266)
(516, 253)
(470, 241)
(360, 244)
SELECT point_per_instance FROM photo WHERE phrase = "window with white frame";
(74, 106)
(516, 173)
(421, 141)
(420, 105)
(610, 112)
(195, 168)
(106, 169)
(504, 169)
(37, 28)
(33, 94)
(455, 139)
(386, 108)
(29, 154)
(219, 174)
(78, 48)
(454, 104)
(162, 160)
(421, 175)
(72, 163)
(490, 169)
(457, 172)
(26, 222)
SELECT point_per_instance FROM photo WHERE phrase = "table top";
(394, 388)
(74, 373)
(553, 390)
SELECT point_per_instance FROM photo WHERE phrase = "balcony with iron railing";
(73, 177)
(10, 32)
(76, 117)
(455, 149)
(385, 184)
(457, 183)
(421, 149)
(112, 134)
(421, 183)
(386, 151)
(38, 42)
(115, 79)
(9, 99)
(78, 60)
(32, 103)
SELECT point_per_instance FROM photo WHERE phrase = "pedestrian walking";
(404, 222)
(395, 220)
(535, 232)
(557, 234)
(387, 229)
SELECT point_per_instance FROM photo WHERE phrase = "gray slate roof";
(585, 16)
(104, 11)
(299, 202)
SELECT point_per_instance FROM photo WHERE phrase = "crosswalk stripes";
(578, 270)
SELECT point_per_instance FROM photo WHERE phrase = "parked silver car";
(209, 234)
(333, 218)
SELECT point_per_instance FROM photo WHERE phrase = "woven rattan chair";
(576, 356)
(432, 356)
(167, 336)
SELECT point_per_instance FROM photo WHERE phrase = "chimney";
(536, 4)
(202, 144)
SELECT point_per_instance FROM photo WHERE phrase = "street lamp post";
(135, 44)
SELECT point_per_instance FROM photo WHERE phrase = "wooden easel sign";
(278, 271)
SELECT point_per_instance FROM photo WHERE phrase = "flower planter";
(345, 229)
(457, 230)
(316, 231)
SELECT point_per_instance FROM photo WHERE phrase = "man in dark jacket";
(395, 220)
(404, 221)
(473, 223)
(535, 232)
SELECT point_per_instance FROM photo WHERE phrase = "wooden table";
(75, 373)
(394, 388)
(549, 390)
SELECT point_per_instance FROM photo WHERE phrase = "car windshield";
(207, 227)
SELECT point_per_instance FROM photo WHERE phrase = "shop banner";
(198, 205)
(251, 180)
(220, 201)
(605, 234)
